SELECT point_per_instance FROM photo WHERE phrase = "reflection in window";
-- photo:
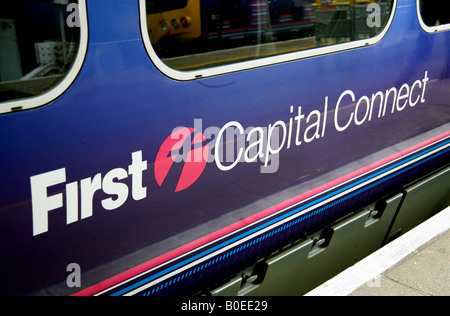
(39, 41)
(435, 12)
(197, 34)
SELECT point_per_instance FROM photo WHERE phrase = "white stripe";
(180, 270)
(244, 240)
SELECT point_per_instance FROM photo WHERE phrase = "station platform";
(415, 264)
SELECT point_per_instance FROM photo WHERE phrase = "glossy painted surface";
(121, 104)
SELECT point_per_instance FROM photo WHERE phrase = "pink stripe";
(227, 230)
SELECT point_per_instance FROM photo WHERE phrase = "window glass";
(39, 42)
(434, 12)
(199, 34)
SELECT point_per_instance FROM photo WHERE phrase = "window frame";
(55, 92)
(430, 29)
(257, 63)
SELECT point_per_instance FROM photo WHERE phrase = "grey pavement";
(425, 273)
(415, 264)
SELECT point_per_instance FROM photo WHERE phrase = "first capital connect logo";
(228, 146)
(195, 159)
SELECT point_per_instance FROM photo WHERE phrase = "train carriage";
(214, 147)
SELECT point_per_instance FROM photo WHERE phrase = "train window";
(195, 38)
(434, 14)
(40, 44)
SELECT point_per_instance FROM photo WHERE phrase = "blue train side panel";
(89, 179)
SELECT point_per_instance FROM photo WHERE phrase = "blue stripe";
(245, 234)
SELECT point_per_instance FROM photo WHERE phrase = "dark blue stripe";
(269, 223)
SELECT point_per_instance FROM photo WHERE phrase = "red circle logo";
(194, 161)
